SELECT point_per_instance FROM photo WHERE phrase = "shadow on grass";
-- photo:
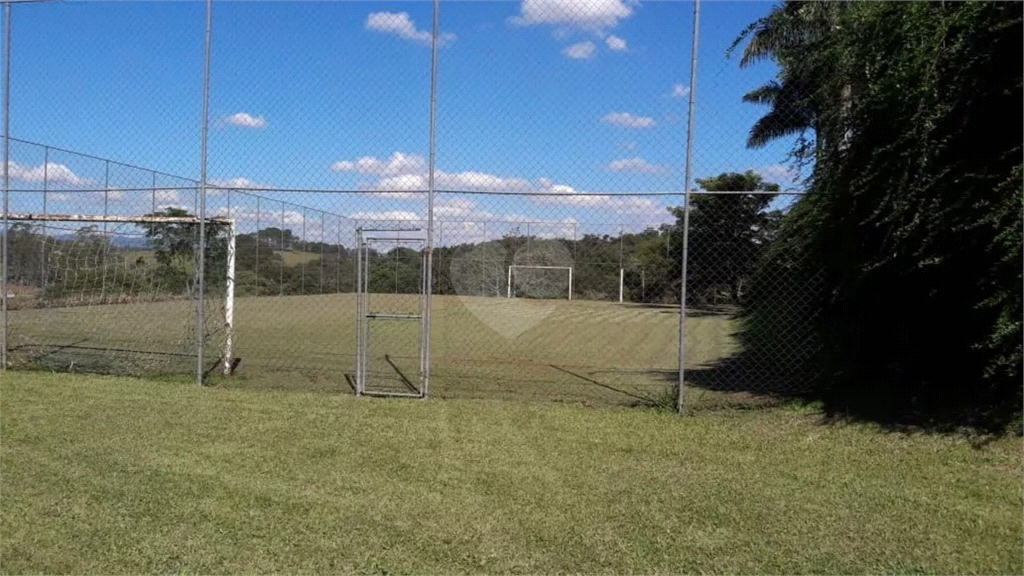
(897, 408)
(691, 312)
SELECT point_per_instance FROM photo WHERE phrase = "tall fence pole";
(337, 269)
(686, 209)
(258, 242)
(280, 263)
(46, 186)
(305, 246)
(425, 339)
(323, 240)
(200, 301)
(622, 274)
(7, 187)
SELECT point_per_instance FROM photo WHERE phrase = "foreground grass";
(114, 475)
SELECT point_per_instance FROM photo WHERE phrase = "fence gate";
(390, 312)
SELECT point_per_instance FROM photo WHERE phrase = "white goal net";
(117, 294)
(549, 282)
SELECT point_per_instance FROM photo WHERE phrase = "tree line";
(729, 233)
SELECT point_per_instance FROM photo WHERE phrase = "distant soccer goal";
(551, 282)
(118, 294)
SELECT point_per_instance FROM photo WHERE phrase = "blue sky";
(579, 97)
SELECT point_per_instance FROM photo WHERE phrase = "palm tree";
(794, 35)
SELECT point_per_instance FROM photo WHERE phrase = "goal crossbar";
(125, 219)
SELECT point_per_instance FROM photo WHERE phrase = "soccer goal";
(391, 312)
(552, 282)
(118, 294)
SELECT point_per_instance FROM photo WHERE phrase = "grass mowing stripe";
(314, 336)
(127, 476)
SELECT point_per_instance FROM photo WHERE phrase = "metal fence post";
(323, 240)
(46, 185)
(686, 210)
(280, 267)
(305, 245)
(425, 339)
(7, 187)
(202, 198)
(258, 242)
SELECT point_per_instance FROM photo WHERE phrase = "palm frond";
(767, 93)
(778, 123)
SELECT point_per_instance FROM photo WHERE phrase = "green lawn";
(495, 348)
(118, 475)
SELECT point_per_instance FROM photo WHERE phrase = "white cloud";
(51, 173)
(394, 215)
(647, 208)
(404, 176)
(468, 181)
(93, 197)
(246, 120)
(166, 196)
(679, 91)
(112, 194)
(580, 50)
(246, 217)
(615, 43)
(479, 181)
(241, 183)
(628, 120)
(403, 172)
(780, 174)
(636, 164)
(293, 217)
(460, 209)
(402, 183)
(398, 164)
(593, 15)
(164, 207)
(401, 25)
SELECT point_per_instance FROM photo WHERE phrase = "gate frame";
(364, 314)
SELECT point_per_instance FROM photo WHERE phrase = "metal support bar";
(7, 184)
(425, 338)
(259, 243)
(42, 248)
(200, 302)
(686, 208)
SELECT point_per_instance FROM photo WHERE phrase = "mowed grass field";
(578, 351)
(117, 475)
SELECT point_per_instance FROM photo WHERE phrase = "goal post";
(116, 293)
(539, 291)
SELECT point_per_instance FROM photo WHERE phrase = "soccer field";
(585, 351)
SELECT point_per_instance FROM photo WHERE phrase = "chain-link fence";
(507, 219)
